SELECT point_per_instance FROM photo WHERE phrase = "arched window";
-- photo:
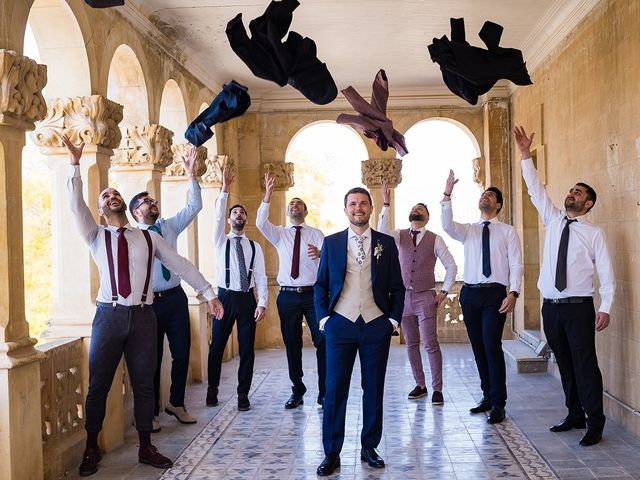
(127, 87)
(173, 114)
(435, 147)
(327, 163)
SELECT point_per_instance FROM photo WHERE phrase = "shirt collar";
(366, 233)
(579, 219)
(493, 220)
(291, 225)
(421, 229)
(115, 229)
(233, 235)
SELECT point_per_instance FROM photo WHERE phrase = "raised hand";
(75, 152)
(451, 181)
(269, 184)
(523, 142)
(190, 161)
(386, 195)
(227, 179)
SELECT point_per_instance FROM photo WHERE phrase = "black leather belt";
(297, 289)
(166, 293)
(485, 285)
(140, 306)
(569, 300)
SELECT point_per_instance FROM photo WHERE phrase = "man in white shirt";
(419, 248)
(492, 260)
(240, 267)
(124, 322)
(570, 320)
(170, 303)
(298, 246)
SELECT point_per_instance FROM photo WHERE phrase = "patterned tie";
(486, 250)
(166, 274)
(561, 266)
(295, 261)
(242, 266)
(360, 242)
(124, 282)
(414, 236)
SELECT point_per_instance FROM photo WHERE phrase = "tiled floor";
(420, 441)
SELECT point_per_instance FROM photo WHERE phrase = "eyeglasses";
(148, 201)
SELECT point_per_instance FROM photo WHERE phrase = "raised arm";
(457, 231)
(184, 217)
(537, 192)
(270, 231)
(384, 223)
(221, 208)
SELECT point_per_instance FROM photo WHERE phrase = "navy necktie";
(561, 265)
(166, 274)
(486, 250)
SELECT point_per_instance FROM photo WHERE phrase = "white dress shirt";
(259, 277)
(93, 235)
(587, 248)
(440, 249)
(506, 255)
(283, 239)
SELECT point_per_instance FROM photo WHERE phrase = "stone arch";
(173, 112)
(62, 48)
(127, 86)
(326, 168)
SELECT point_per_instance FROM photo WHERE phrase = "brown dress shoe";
(90, 460)
(151, 456)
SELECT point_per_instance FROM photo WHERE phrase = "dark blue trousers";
(172, 313)
(570, 331)
(240, 307)
(292, 306)
(115, 331)
(371, 342)
(484, 326)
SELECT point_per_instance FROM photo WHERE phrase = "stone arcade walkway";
(420, 441)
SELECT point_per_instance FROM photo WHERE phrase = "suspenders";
(227, 269)
(112, 275)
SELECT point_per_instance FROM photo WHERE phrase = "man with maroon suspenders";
(124, 322)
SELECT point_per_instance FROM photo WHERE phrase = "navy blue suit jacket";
(386, 279)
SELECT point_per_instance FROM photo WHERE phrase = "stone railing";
(62, 406)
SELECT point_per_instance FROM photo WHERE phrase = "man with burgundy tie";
(170, 303)
(492, 260)
(124, 322)
(419, 249)
(298, 247)
(240, 267)
(569, 317)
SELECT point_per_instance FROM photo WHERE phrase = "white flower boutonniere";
(377, 252)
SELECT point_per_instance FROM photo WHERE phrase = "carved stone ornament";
(478, 171)
(283, 173)
(147, 145)
(21, 84)
(180, 152)
(93, 120)
(213, 175)
(377, 170)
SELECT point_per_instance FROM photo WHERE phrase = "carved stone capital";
(148, 145)
(377, 170)
(180, 152)
(283, 173)
(93, 120)
(213, 175)
(21, 84)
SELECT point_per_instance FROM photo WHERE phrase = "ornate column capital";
(283, 172)
(213, 174)
(21, 84)
(377, 170)
(148, 145)
(93, 120)
(180, 152)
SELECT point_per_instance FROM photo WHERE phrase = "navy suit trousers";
(371, 342)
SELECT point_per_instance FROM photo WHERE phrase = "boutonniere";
(377, 252)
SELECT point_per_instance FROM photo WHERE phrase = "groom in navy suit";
(359, 297)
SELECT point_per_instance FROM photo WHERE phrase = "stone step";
(522, 357)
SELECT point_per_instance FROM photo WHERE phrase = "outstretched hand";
(227, 179)
(451, 181)
(190, 161)
(523, 142)
(269, 184)
(75, 152)
(386, 195)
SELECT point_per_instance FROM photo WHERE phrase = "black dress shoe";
(294, 401)
(496, 415)
(243, 402)
(320, 400)
(90, 460)
(483, 406)
(591, 437)
(329, 464)
(212, 397)
(370, 456)
(569, 423)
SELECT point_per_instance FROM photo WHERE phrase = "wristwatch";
(514, 293)
(444, 292)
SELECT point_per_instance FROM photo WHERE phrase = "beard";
(151, 217)
(110, 211)
(416, 217)
(238, 224)
(572, 205)
(359, 221)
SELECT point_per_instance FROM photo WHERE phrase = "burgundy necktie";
(295, 261)
(414, 236)
(124, 283)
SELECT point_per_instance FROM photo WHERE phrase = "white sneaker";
(155, 425)
(180, 413)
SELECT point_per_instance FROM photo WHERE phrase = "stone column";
(21, 104)
(374, 172)
(496, 150)
(93, 120)
(138, 166)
